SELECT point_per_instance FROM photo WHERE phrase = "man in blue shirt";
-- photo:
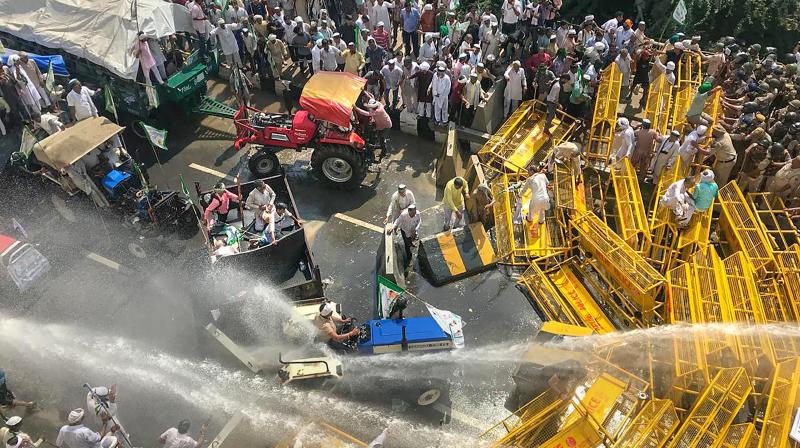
(409, 17)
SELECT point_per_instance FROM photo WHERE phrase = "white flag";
(450, 323)
(157, 137)
(388, 292)
(680, 12)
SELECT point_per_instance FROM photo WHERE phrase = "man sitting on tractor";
(326, 320)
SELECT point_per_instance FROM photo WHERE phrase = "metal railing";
(604, 117)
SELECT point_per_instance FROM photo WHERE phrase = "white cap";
(381, 24)
(328, 309)
(298, 19)
(679, 46)
(392, 61)
(109, 442)
(462, 55)
(75, 416)
(13, 420)
(100, 391)
(401, 187)
(440, 69)
(670, 65)
(221, 22)
(623, 123)
(707, 176)
(599, 46)
(424, 66)
(428, 7)
(572, 32)
(372, 104)
(701, 130)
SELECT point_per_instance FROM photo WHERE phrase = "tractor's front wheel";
(339, 166)
(264, 163)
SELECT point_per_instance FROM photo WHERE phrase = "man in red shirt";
(382, 37)
(381, 119)
(533, 61)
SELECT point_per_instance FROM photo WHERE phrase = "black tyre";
(339, 166)
(264, 163)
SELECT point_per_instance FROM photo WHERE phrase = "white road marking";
(105, 261)
(211, 171)
(359, 222)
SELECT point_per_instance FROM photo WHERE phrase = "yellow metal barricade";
(604, 119)
(691, 371)
(788, 263)
(516, 246)
(756, 349)
(687, 81)
(784, 399)
(533, 424)
(641, 283)
(659, 102)
(631, 222)
(664, 240)
(521, 141)
(776, 311)
(743, 435)
(651, 427)
(771, 213)
(715, 410)
(742, 230)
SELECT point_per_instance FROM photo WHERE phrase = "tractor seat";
(262, 120)
(113, 179)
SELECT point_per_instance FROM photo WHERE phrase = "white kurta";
(623, 144)
(440, 89)
(226, 38)
(514, 84)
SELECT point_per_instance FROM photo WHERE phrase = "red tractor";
(340, 156)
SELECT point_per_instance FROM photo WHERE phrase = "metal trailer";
(184, 90)
(290, 263)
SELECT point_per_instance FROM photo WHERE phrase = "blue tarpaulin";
(59, 68)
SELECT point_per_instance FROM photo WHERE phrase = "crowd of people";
(104, 430)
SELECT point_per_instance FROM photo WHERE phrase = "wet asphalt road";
(111, 283)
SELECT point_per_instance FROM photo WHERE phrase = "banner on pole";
(185, 190)
(152, 96)
(157, 137)
(388, 292)
(27, 142)
(110, 106)
(50, 78)
(450, 323)
(680, 12)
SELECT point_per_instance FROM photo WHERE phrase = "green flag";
(110, 106)
(141, 176)
(27, 143)
(2, 48)
(152, 96)
(50, 78)
(156, 137)
(185, 190)
(388, 292)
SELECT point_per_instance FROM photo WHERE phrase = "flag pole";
(155, 153)
(185, 191)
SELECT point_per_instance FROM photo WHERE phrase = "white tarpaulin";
(101, 31)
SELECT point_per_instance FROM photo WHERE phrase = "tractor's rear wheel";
(339, 166)
(264, 163)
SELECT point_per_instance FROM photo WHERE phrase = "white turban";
(623, 123)
(424, 66)
(327, 309)
(109, 442)
(100, 391)
(701, 130)
(12, 60)
(707, 176)
(670, 65)
(680, 46)
(75, 416)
